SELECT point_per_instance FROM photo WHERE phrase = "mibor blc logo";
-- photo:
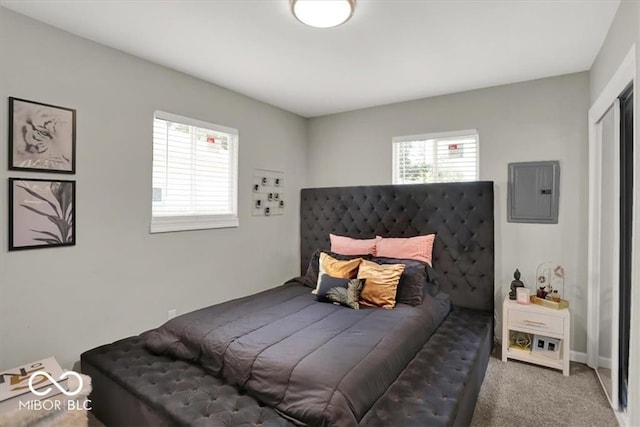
(48, 405)
(55, 383)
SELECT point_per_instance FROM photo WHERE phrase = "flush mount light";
(323, 13)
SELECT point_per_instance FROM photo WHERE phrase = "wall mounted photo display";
(267, 192)
(42, 213)
(42, 137)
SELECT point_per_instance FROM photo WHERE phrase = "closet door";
(607, 294)
(626, 222)
(612, 225)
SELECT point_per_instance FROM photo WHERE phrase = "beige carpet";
(518, 394)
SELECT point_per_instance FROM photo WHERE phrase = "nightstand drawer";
(536, 321)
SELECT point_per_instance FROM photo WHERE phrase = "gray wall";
(119, 280)
(622, 34)
(536, 120)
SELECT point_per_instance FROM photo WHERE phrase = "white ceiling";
(390, 51)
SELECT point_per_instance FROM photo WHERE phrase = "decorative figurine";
(516, 283)
(548, 290)
(541, 293)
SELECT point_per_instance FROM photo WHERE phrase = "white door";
(606, 287)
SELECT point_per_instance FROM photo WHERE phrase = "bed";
(281, 358)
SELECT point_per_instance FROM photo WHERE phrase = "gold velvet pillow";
(336, 268)
(381, 283)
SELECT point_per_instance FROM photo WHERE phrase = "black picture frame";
(42, 213)
(42, 137)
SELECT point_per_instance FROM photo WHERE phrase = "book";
(14, 383)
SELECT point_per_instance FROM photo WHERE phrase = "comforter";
(316, 363)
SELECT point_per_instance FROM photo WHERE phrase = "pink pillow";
(347, 246)
(419, 248)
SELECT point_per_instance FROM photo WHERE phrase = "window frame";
(426, 136)
(164, 224)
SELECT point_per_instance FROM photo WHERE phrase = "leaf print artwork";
(42, 213)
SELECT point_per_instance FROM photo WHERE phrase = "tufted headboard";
(461, 215)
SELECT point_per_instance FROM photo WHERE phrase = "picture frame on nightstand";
(547, 346)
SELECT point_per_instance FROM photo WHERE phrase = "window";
(444, 157)
(195, 174)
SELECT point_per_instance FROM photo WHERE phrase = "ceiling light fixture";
(323, 13)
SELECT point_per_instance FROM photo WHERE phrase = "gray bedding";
(316, 363)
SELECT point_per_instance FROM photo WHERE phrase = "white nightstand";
(536, 320)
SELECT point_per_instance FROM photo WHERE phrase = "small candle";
(522, 295)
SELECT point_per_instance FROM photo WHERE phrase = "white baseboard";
(578, 356)
(604, 362)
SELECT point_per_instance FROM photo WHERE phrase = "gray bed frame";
(439, 387)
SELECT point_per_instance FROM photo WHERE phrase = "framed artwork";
(42, 137)
(42, 213)
(547, 346)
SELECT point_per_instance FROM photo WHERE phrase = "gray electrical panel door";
(534, 192)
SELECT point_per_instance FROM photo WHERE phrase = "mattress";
(315, 363)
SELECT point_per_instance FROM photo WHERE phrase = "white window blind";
(195, 168)
(446, 157)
